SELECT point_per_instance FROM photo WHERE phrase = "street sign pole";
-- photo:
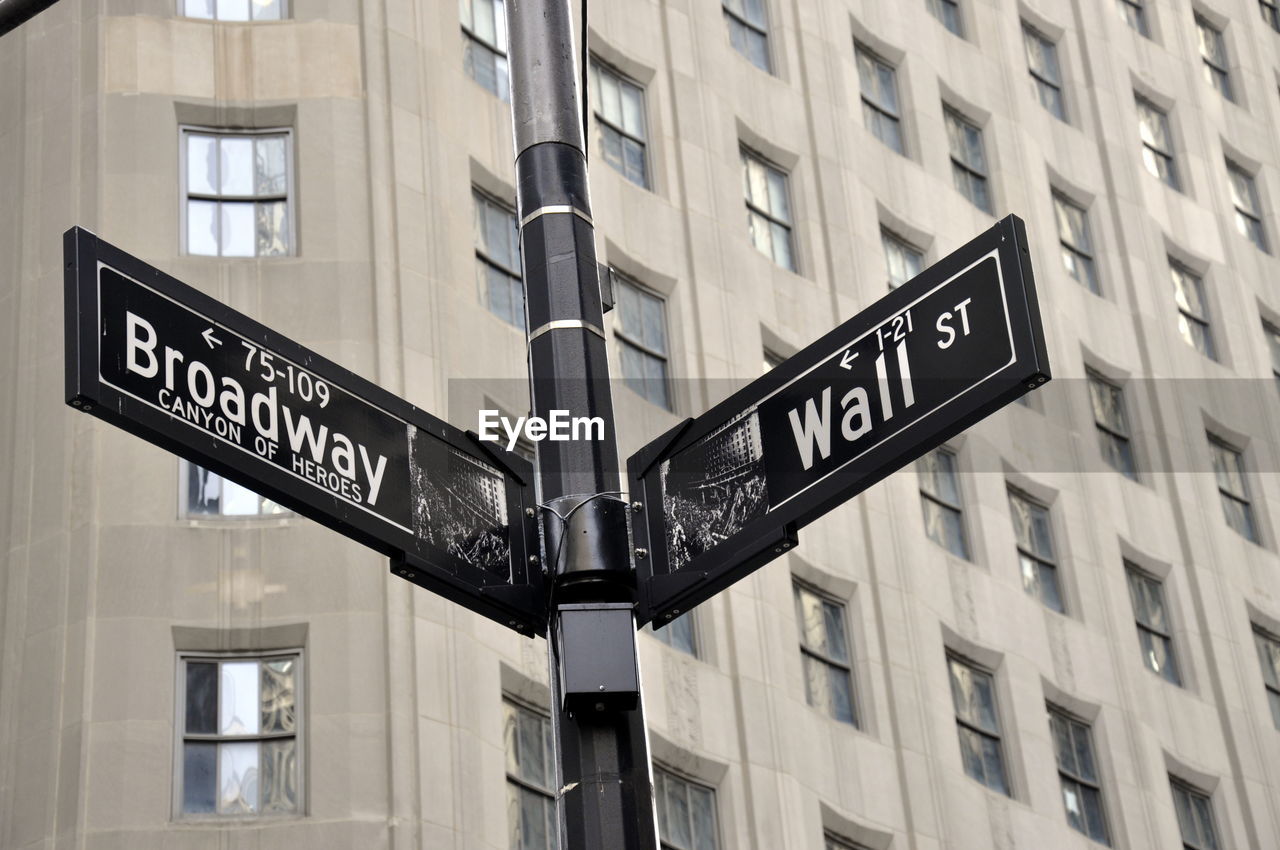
(605, 797)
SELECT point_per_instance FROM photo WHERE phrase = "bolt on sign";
(725, 493)
(175, 367)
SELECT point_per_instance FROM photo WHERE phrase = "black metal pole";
(605, 800)
(14, 13)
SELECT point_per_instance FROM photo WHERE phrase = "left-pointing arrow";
(210, 338)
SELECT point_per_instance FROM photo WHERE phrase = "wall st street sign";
(725, 493)
(175, 367)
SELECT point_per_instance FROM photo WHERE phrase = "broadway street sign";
(175, 367)
(725, 493)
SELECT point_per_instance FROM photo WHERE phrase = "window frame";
(1187, 318)
(1270, 13)
(480, 196)
(1063, 208)
(1248, 219)
(890, 238)
(1262, 636)
(1134, 13)
(1158, 155)
(666, 635)
(746, 155)
(181, 736)
(503, 82)
(1114, 434)
(599, 67)
(972, 174)
(289, 197)
(1271, 332)
(1042, 82)
(965, 725)
(1192, 793)
(525, 784)
(1045, 564)
(1074, 725)
(1217, 68)
(284, 14)
(1242, 499)
(663, 775)
(957, 508)
(1154, 586)
(829, 662)
(947, 12)
(761, 29)
(623, 338)
(834, 841)
(871, 102)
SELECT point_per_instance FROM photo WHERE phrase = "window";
(1146, 592)
(834, 842)
(1228, 467)
(940, 501)
(237, 193)
(498, 259)
(531, 778)
(1270, 13)
(1035, 550)
(209, 494)
(1272, 333)
(1078, 773)
(619, 106)
(1046, 78)
(1077, 243)
(1244, 196)
(686, 813)
(680, 634)
(1113, 425)
(640, 327)
(1193, 312)
(770, 361)
(1135, 15)
(1157, 142)
(903, 260)
(880, 110)
(1213, 50)
(235, 10)
(484, 44)
(748, 30)
(968, 160)
(240, 724)
(1195, 817)
(1269, 657)
(768, 209)
(824, 650)
(973, 693)
(947, 11)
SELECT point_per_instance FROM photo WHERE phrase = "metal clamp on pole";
(586, 541)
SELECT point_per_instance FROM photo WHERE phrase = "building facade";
(1061, 630)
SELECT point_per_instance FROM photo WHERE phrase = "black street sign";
(175, 367)
(725, 493)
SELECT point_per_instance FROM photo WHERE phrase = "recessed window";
(824, 650)
(680, 634)
(484, 44)
(947, 11)
(1270, 13)
(1046, 76)
(235, 10)
(1244, 196)
(1213, 50)
(531, 778)
(881, 112)
(207, 494)
(1269, 657)
(941, 503)
(497, 237)
(768, 209)
(1193, 310)
(1113, 425)
(640, 327)
(241, 721)
(770, 360)
(620, 120)
(1157, 143)
(237, 193)
(903, 260)
(1155, 631)
(1272, 333)
(1078, 774)
(1195, 816)
(1228, 468)
(835, 842)
(1134, 13)
(968, 159)
(1076, 241)
(1036, 558)
(686, 813)
(748, 30)
(978, 723)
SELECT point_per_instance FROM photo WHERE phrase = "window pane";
(238, 229)
(681, 833)
(202, 164)
(272, 229)
(233, 10)
(679, 634)
(197, 8)
(238, 706)
(810, 618)
(236, 165)
(655, 334)
(267, 10)
(269, 165)
(703, 808)
(278, 696)
(202, 696)
(202, 228)
(238, 764)
(944, 526)
(199, 777)
(280, 775)
(533, 821)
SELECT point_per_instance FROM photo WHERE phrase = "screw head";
(87, 407)
(529, 512)
(637, 506)
(600, 688)
(642, 553)
(75, 402)
(533, 559)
